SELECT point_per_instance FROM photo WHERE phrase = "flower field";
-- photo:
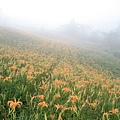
(43, 79)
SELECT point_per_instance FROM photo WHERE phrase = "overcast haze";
(100, 14)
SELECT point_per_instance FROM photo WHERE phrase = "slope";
(41, 78)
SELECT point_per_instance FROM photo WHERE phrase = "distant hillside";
(92, 54)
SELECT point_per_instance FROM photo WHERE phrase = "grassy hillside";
(43, 79)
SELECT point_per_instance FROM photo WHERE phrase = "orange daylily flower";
(111, 91)
(57, 82)
(60, 107)
(43, 104)
(41, 97)
(114, 111)
(13, 104)
(93, 104)
(73, 98)
(1, 77)
(66, 89)
(55, 71)
(7, 78)
(118, 92)
(30, 72)
(43, 87)
(105, 86)
(13, 67)
(73, 81)
(106, 114)
(30, 77)
(21, 61)
(8, 55)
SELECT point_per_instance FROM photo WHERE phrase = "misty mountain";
(113, 39)
(72, 32)
(3, 19)
(84, 34)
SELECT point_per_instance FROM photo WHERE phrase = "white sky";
(101, 13)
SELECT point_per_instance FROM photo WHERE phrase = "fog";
(77, 21)
(99, 14)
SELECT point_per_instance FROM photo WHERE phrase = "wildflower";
(13, 104)
(73, 108)
(57, 106)
(82, 79)
(1, 77)
(93, 104)
(54, 71)
(31, 71)
(106, 114)
(43, 87)
(57, 82)
(86, 82)
(118, 97)
(43, 104)
(82, 86)
(60, 107)
(118, 92)
(8, 55)
(73, 98)
(73, 81)
(114, 111)
(66, 89)
(111, 91)
(41, 97)
(30, 77)
(65, 71)
(105, 86)
(7, 78)
(13, 67)
(21, 61)
(64, 83)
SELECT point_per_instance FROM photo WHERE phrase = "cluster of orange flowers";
(59, 82)
(113, 111)
(60, 107)
(39, 96)
(111, 91)
(73, 98)
(105, 86)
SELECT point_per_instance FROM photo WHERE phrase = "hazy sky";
(102, 14)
